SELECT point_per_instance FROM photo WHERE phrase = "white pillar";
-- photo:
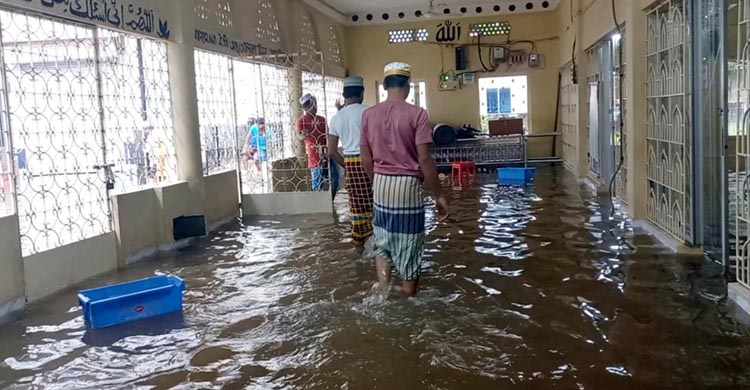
(635, 108)
(185, 97)
(185, 111)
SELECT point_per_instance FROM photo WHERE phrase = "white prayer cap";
(397, 69)
(354, 81)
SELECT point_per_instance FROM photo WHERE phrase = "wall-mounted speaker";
(461, 62)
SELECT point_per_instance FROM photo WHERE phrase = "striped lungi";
(359, 188)
(399, 222)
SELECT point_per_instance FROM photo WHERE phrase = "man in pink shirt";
(395, 151)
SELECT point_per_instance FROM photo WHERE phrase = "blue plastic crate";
(515, 176)
(115, 304)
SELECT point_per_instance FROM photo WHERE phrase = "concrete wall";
(51, 271)
(587, 22)
(11, 266)
(222, 197)
(144, 219)
(138, 222)
(177, 200)
(287, 203)
(368, 51)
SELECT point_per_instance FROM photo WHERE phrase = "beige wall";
(590, 21)
(11, 266)
(587, 22)
(289, 16)
(368, 51)
(222, 197)
(178, 200)
(287, 203)
(51, 271)
(144, 219)
(137, 222)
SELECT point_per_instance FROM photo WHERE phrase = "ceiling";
(364, 12)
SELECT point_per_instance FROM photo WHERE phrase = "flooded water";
(529, 287)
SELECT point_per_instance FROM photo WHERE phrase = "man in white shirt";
(346, 127)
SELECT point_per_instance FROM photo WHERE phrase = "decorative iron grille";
(334, 92)
(594, 62)
(137, 110)
(216, 111)
(281, 165)
(740, 107)
(51, 102)
(569, 116)
(496, 150)
(669, 139)
(7, 200)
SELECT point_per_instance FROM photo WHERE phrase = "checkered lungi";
(359, 187)
(399, 223)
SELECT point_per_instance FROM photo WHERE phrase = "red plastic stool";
(460, 169)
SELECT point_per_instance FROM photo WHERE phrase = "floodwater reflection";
(532, 287)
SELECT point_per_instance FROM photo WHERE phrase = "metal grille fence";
(54, 118)
(741, 118)
(669, 140)
(283, 165)
(137, 110)
(216, 101)
(569, 116)
(84, 111)
(492, 151)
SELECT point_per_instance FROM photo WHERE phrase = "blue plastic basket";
(515, 176)
(115, 304)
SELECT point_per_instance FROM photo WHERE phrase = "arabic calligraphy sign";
(128, 15)
(448, 32)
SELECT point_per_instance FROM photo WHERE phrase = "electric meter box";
(499, 55)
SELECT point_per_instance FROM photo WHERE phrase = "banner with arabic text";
(142, 17)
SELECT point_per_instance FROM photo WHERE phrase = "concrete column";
(294, 74)
(181, 66)
(635, 108)
(12, 287)
(185, 111)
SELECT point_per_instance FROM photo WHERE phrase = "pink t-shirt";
(392, 130)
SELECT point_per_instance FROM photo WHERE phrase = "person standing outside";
(313, 128)
(246, 155)
(256, 143)
(395, 150)
(346, 127)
